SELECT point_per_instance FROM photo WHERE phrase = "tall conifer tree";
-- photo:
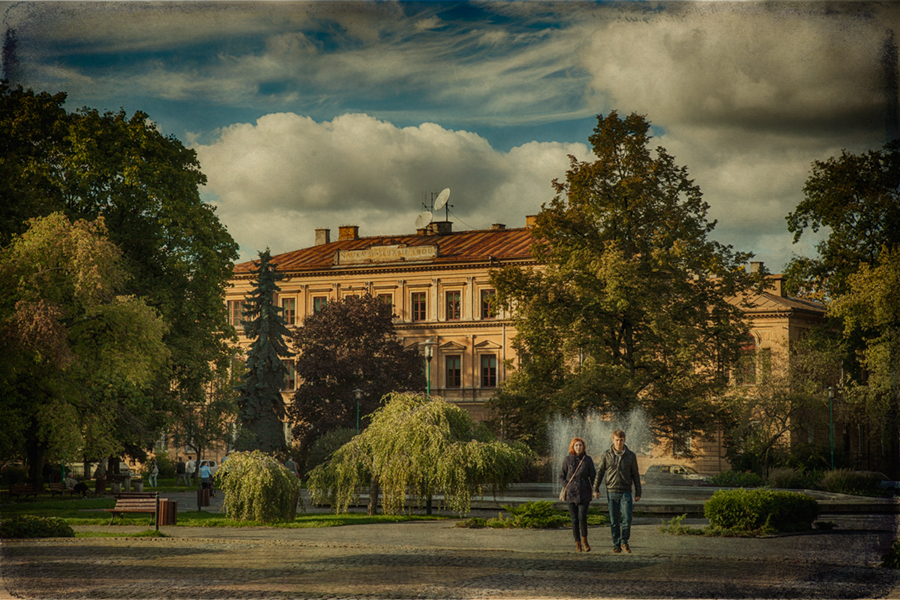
(261, 407)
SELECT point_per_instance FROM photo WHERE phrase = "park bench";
(21, 489)
(57, 488)
(136, 502)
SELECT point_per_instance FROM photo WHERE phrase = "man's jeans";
(620, 507)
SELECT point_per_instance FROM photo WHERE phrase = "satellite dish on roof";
(423, 220)
(442, 199)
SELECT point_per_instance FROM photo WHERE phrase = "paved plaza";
(435, 559)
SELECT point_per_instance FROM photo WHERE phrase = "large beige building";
(438, 283)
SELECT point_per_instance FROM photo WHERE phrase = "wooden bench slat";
(136, 502)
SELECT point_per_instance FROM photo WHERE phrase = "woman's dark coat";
(579, 491)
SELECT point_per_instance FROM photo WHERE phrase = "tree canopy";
(261, 408)
(857, 198)
(870, 312)
(176, 254)
(419, 445)
(350, 344)
(634, 305)
(75, 348)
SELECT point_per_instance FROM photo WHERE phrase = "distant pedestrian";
(180, 472)
(206, 478)
(620, 466)
(576, 476)
(152, 473)
(291, 466)
(190, 468)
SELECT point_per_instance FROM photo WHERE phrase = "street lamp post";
(831, 418)
(358, 393)
(428, 345)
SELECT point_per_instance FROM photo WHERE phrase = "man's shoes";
(626, 548)
(617, 549)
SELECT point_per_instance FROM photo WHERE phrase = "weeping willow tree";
(419, 446)
(258, 488)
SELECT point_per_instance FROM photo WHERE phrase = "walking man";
(180, 472)
(190, 468)
(619, 464)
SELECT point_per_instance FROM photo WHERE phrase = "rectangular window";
(237, 313)
(288, 310)
(744, 372)
(319, 303)
(453, 306)
(488, 304)
(386, 298)
(488, 370)
(419, 306)
(454, 376)
(290, 376)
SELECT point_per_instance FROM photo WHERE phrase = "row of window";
(452, 372)
(418, 304)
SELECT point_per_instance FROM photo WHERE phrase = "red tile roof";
(464, 246)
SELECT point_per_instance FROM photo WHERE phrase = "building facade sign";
(387, 254)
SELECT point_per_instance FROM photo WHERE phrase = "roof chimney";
(530, 221)
(348, 232)
(756, 266)
(323, 236)
(498, 227)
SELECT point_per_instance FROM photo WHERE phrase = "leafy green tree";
(772, 418)
(261, 407)
(177, 254)
(210, 421)
(419, 445)
(350, 344)
(634, 305)
(258, 488)
(870, 310)
(75, 348)
(857, 198)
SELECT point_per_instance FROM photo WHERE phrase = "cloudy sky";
(313, 115)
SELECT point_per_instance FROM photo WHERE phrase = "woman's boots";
(585, 544)
(577, 546)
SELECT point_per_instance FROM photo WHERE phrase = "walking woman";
(576, 477)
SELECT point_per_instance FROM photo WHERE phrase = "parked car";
(674, 475)
(887, 484)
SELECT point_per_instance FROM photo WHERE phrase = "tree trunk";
(374, 492)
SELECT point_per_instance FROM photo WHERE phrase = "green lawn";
(90, 512)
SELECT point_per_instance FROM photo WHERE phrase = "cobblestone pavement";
(438, 560)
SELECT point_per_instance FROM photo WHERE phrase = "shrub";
(29, 526)
(165, 465)
(533, 515)
(794, 479)
(742, 479)
(13, 475)
(536, 515)
(891, 560)
(258, 488)
(324, 447)
(761, 509)
(847, 481)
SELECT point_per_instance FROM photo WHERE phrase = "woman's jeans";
(620, 508)
(152, 480)
(579, 513)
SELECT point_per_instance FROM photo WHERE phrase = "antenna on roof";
(441, 202)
